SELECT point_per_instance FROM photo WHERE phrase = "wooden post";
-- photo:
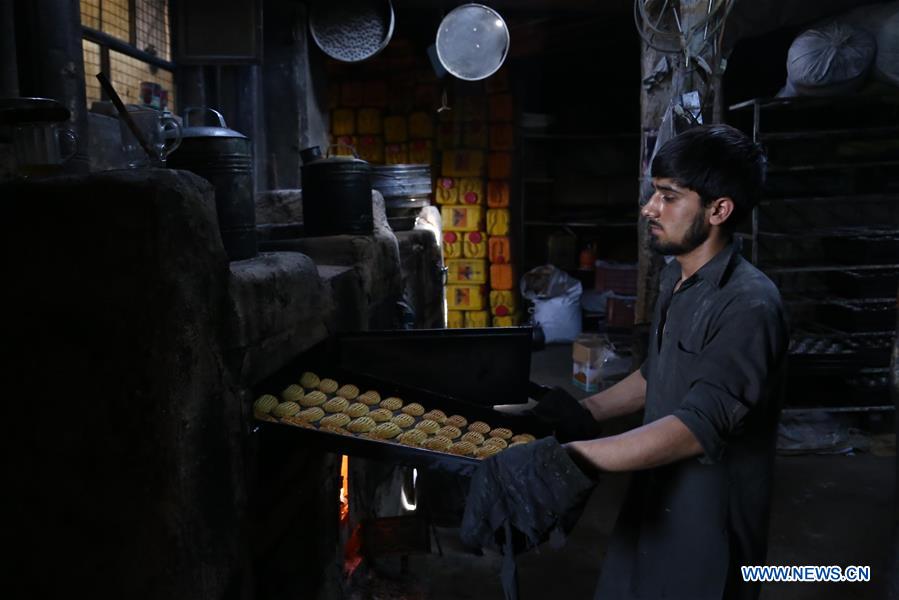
(654, 101)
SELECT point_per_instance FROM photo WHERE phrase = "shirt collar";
(714, 271)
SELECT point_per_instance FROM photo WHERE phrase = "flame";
(344, 488)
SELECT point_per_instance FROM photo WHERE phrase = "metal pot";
(336, 194)
(225, 158)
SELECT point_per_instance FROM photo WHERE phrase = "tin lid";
(313, 156)
(32, 110)
(472, 42)
(205, 131)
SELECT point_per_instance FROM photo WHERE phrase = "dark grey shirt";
(716, 355)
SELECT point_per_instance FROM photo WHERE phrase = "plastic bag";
(557, 302)
(882, 22)
(830, 60)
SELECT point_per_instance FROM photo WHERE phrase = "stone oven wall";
(132, 343)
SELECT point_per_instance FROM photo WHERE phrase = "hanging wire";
(711, 25)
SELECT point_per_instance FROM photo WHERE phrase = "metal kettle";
(225, 158)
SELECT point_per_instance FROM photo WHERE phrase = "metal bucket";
(224, 157)
(406, 188)
(405, 181)
(336, 195)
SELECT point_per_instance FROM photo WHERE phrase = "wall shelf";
(582, 187)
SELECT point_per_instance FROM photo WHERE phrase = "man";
(698, 504)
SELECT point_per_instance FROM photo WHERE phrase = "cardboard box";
(587, 355)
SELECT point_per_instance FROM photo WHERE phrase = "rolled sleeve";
(733, 375)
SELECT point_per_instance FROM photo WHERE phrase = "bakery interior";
(206, 201)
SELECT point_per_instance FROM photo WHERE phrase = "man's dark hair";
(715, 161)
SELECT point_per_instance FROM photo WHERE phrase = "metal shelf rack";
(827, 233)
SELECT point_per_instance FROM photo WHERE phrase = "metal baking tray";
(484, 366)
(283, 433)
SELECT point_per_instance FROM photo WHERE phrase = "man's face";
(676, 219)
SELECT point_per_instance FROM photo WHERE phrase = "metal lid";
(472, 42)
(32, 110)
(205, 131)
(312, 156)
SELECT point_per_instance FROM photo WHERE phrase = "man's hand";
(566, 416)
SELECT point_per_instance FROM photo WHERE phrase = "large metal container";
(224, 157)
(406, 189)
(336, 194)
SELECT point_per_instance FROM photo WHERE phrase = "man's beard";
(694, 237)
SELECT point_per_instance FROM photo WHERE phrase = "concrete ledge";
(375, 263)
(278, 307)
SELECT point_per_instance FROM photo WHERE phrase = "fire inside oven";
(459, 372)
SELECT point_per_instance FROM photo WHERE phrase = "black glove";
(536, 488)
(566, 416)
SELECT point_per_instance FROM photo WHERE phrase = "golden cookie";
(328, 386)
(334, 429)
(403, 420)
(435, 415)
(513, 444)
(265, 403)
(356, 409)
(391, 403)
(413, 437)
(336, 405)
(348, 391)
(309, 380)
(457, 421)
(473, 437)
(312, 414)
(286, 409)
(380, 415)
(480, 427)
(296, 421)
(292, 393)
(462, 448)
(487, 450)
(335, 420)
(428, 426)
(415, 409)
(361, 425)
(315, 398)
(437, 443)
(495, 441)
(449, 432)
(263, 417)
(523, 438)
(386, 430)
(369, 398)
(501, 432)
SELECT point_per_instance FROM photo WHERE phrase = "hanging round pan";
(351, 30)
(472, 42)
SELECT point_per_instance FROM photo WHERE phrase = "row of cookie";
(470, 444)
(316, 397)
(433, 422)
(269, 404)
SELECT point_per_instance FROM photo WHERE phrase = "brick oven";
(136, 469)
